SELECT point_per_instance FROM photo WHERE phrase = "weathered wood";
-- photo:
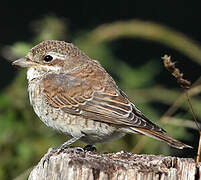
(77, 165)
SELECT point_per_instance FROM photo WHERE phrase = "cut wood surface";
(77, 165)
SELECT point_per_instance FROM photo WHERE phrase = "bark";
(77, 165)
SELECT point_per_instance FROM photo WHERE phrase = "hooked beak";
(24, 62)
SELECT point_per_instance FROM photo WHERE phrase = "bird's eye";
(48, 58)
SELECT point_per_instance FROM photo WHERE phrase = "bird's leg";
(89, 147)
(69, 142)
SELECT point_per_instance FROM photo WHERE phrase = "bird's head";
(52, 56)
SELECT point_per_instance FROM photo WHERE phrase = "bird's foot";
(90, 147)
(58, 150)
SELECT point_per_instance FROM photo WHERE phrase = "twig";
(192, 92)
(191, 108)
(185, 84)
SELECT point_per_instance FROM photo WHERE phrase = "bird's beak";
(24, 62)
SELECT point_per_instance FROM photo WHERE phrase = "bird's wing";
(93, 95)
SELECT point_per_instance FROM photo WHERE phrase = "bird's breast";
(52, 117)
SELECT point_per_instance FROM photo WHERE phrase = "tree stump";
(77, 165)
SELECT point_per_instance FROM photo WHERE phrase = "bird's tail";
(162, 137)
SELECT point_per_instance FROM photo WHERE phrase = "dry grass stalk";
(185, 84)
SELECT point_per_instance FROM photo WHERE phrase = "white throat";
(34, 73)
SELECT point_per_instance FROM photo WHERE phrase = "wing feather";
(95, 97)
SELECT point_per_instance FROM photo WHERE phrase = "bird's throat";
(33, 73)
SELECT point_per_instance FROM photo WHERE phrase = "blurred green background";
(128, 39)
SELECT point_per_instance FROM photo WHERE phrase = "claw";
(51, 151)
(90, 148)
(77, 149)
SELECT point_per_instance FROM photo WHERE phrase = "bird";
(72, 93)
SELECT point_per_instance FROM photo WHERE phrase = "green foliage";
(23, 137)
